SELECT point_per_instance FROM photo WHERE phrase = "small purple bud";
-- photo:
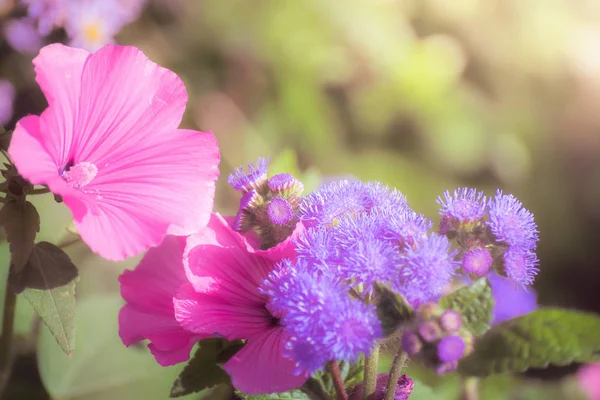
(477, 262)
(280, 211)
(430, 331)
(284, 183)
(444, 368)
(411, 343)
(244, 219)
(451, 348)
(255, 178)
(250, 200)
(451, 321)
(445, 225)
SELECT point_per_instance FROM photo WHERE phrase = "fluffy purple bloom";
(426, 269)
(511, 223)
(403, 226)
(520, 265)
(477, 262)
(280, 211)
(254, 178)
(323, 321)
(451, 321)
(23, 36)
(510, 300)
(318, 248)
(245, 216)
(336, 199)
(464, 205)
(7, 96)
(450, 348)
(284, 184)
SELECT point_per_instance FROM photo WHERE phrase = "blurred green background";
(424, 95)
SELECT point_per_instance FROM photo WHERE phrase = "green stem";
(370, 381)
(338, 383)
(397, 366)
(6, 340)
(470, 390)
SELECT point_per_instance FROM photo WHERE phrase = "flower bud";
(451, 321)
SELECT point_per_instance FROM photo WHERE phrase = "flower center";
(80, 174)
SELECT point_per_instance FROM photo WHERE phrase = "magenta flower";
(222, 299)
(588, 378)
(149, 313)
(109, 144)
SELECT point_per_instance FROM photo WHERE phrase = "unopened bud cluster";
(437, 338)
(268, 205)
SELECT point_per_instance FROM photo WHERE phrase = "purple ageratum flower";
(426, 269)
(255, 178)
(336, 199)
(7, 97)
(510, 300)
(48, 13)
(511, 223)
(318, 248)
(477, 262)
(520, 265)
(450, 348)
(280, 212)
(364, 255)
(322, 320)
(404, 226)
(464, 205)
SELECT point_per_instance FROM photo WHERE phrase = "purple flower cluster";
(268, 205)
(491, 232)
(90, 24)
(363, 233)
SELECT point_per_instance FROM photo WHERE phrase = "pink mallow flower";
(588, 377)
(110, 146)
(214, 293)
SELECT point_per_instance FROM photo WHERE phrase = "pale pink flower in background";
(109, 144)
(588, 377)
(222, 299)
(149, 314)
(90, 24)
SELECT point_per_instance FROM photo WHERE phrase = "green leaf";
(49, 282)
(48, 268)
(21, 223)
(101, 367)
(321, 383)
(392, 309)
(203, 371)
(475, 303)
(546, 336)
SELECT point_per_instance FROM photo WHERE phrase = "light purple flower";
(23, 36)
(7, 97)
(511, 223)
(464, 205)
(477, 262)
(450, 348)
(254, 178)
(520, 265)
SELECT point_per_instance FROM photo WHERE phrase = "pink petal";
(260, 367)
(149, 314)
(215, 314)
(219, 255)
(58, 71)
(170, 343)
(126, 101)
(285, 249)
(151, 286)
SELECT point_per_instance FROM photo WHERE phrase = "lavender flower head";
(426, 269)
(463, 205)
(22, 35)
(323, 321)
(254, 178)
(450, 348)
(336, 199)
(280, 211)
(477, 262)
(511, 223)
(520, 265)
